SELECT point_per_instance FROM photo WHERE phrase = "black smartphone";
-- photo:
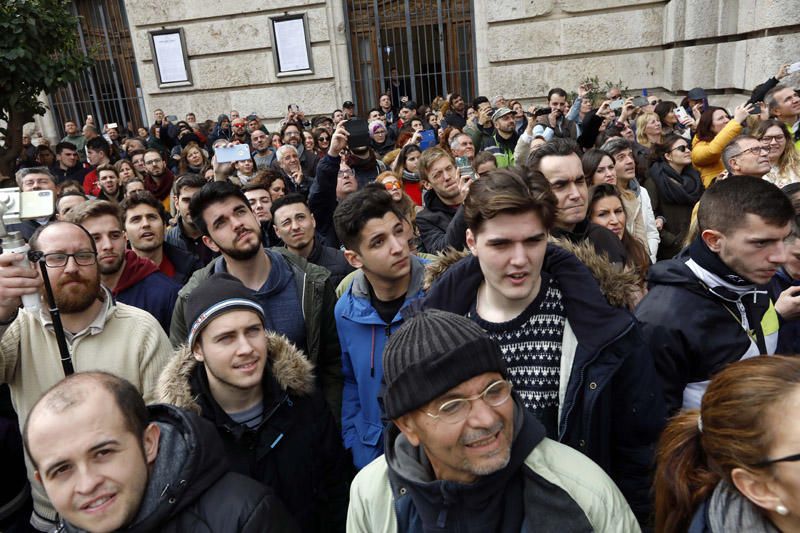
(543, 111)
(756, 110)
(358, 131)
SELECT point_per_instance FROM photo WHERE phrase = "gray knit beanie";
(430, 354)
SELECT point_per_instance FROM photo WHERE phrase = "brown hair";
(735, 433)
(705, 123)
(96, 208)
(509, 191)
(428, 158)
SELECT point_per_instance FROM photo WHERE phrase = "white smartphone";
(229, 154)
(681, 114)
(794, 67)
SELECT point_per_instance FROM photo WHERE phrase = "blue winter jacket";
(363, 334)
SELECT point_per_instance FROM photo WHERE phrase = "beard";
(112, 268)
(76, 298)
(246, 253)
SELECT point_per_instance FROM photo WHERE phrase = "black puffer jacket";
(296, 450)
(191, 489)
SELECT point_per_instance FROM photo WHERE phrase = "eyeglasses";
(771, 139)
(455, 411)
(755, 150)
(153, 162)
(681, 148)
(56, 260)
(787, 459)
(392, 185)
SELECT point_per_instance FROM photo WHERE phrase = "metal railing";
(110, 90)
(414, 48)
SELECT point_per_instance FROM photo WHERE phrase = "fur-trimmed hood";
(620, 287)
(293, 372)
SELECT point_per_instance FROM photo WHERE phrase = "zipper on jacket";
(563, 430)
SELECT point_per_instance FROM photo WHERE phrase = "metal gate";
(110, 90)
(428, 42)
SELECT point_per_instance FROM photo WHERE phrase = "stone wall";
(725, 46)
(229, 45)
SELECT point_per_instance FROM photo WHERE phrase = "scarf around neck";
(683, 189)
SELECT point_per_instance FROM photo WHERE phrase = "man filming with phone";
(95, 327)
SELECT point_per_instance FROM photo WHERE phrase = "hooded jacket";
(610, 403)
(317, 302)
(142, 285)
(363, 335)
(546, 487)
(190, 489)
(689, 349)
(295, 451)
(218, 132)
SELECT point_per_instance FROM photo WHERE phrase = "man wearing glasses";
(463, 453)
(34, 179)
(746, 156)
(101, 334)
(158, 178)
(578, 364)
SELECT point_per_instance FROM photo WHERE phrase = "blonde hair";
(641, 124)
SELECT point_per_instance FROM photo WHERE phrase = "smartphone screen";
(359, 133)
(229, 154)
(427, 139)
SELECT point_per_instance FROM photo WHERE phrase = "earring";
(781, 510)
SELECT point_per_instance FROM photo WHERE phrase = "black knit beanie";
(430, 354)
(217, 294)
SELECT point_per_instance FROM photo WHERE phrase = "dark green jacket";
(322, 342)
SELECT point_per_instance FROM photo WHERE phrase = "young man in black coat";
(260, 393)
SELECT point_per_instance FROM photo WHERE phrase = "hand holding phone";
(794, 67)
(229, 154)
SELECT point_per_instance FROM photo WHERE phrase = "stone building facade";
(519, 49)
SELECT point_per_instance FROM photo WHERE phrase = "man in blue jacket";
(131, 279)
(371, 227)
(577, 363)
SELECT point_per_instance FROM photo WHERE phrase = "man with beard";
(297, 296)
(438, 224)
(463, 453)
(101, 334)
(157, 178)
(131, 279)
(263, 152)
(557, 120)
(144, 225)
(34, 179)
(184, 234)
(501, 139)
(456, 115)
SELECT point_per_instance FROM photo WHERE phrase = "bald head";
(76, 390)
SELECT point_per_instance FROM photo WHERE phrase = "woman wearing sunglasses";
(674, 186)
(322, 140)
(734, 465)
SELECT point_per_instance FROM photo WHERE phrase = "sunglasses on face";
(392, 185)
(681, 148)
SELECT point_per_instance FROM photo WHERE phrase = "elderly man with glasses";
(100, 333)
(463, 454)
(746, 156)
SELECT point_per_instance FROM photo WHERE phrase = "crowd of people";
(480, 318)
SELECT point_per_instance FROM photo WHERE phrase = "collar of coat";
(293, 372)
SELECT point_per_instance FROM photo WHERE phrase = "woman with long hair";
(192, 159)
(715, 130)
(669, 120)
(648, 129)
(606, 209)
(599, 167)
(405, 168)
(674, 187)
(126, 171)
(783, 155)
(322, 138)
(733, 465)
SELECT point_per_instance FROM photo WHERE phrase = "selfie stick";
(55, 315)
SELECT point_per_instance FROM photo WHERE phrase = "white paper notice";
(290, 41)
(170, 57)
